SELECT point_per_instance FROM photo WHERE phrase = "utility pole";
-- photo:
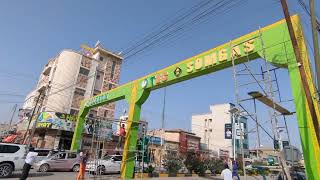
(41, 96)
(301, 69)
(164, 107)
(315, 43)
(30, 118)
(14, 111)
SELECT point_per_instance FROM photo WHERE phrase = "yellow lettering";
(198, 64)
(189, 67)
(236, 51)
(223, 55)
(249, 46)
(210, 60)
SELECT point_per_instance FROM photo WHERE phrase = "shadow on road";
(33, 174)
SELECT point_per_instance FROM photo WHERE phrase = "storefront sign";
(154, 140)
(219, 56)
(87, 51)
(97, 99)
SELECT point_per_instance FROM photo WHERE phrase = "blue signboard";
(154, 140)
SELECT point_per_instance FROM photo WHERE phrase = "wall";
(68, 64)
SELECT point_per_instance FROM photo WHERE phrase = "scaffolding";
(267, 91)
(105, 146)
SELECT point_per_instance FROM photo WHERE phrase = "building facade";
(215, 129)
(66, 80)
(176, 141)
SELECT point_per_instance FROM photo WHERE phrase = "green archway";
(271, 43)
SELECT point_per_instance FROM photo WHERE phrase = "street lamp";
(233, 111)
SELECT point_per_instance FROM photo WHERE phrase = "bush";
(172, 163)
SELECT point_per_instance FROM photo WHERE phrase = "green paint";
(278, 51)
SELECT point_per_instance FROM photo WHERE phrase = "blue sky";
(33, 31)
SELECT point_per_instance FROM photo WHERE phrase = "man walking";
(226, 174)
(30, 158)
(235, 174)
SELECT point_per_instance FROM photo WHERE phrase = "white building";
(72, 76)
(66, 80)
(215, 129)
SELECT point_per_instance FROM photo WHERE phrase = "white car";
(12, 158)
(108, 164)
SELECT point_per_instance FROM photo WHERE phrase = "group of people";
(227, 174)
(31, 157)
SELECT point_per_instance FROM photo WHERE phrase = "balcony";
(86, 62)
(82, 81)
(76, 101)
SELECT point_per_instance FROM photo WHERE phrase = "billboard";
(228, 131)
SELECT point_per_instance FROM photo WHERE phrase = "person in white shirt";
(30, 158)
(226, 174)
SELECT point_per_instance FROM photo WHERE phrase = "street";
(72, 175)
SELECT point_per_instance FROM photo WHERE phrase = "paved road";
(72, 176)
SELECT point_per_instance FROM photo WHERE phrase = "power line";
(196, 19)
(306, 10)
(167, 26)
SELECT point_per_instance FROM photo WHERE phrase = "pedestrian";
(226, 174)
(83, 162)
(122, 135)
(30, 158)
(51, 152)
(235, 174)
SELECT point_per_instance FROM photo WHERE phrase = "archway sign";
(271, 43)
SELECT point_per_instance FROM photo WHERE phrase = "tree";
(172, 163)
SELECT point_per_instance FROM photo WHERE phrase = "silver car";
(66, 161)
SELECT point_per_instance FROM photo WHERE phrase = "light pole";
(233, 111)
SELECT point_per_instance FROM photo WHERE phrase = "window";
(101, 58)
(72, 155)
(73, 112)
(62, 156)
(210, 120)
(110, 86)
(112, 69)
(98, 76)
(79, 92)
(117, 158)
(105, 113)
(84, 71)
(8, 149)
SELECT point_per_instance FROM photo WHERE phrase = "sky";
(32, 32)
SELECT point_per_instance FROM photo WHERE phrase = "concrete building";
(215, 129)
(69, 78)
(175, 140)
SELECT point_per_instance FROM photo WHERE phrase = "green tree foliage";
(172, 163)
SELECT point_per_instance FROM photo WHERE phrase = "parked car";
(67, 161)
(108, 164)
(12, 158)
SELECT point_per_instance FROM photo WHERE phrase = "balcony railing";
(82, 81)
(76, 101)
(86, 62)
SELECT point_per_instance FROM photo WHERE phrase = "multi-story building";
(215, 129)
(175, 140)
(69, 78)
